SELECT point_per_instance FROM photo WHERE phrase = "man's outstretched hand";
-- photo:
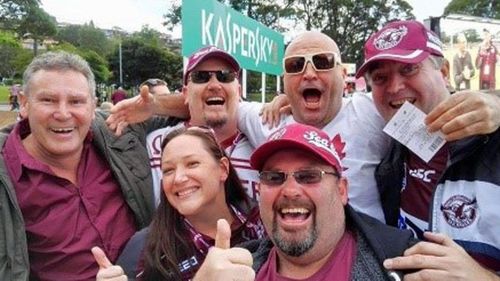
(131, 111)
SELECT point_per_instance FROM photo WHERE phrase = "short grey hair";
(58, 61)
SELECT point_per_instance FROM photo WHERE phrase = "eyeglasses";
(203, 76)
(320, 61)
(275, 178)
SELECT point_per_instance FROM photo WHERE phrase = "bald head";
(311, 42)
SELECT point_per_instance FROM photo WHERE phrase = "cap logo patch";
(390, 38)
(203, 52)
(314, 139)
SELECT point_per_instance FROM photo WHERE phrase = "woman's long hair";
(166, 245)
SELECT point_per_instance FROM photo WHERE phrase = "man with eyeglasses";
(212, 92)
(456, 193)
(314, 234)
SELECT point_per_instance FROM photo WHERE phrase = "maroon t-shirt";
(64, 221)
(337, 267)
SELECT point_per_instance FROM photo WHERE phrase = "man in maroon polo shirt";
(67, 185)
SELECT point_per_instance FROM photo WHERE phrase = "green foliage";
(141, 61)
(87, 37)
(4, 94)
(37, 25)
(149, 35)
(98, 64)
(478, 8)
(350, 23)
(12, 12)
(12, 56)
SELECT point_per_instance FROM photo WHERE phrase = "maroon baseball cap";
(205, 53)
(297, 136)
(401, 41)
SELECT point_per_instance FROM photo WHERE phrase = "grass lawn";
(4, 94)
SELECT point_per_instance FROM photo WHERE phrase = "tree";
(87, 37)
(350, 23)
(149, 35)
(478, 8)
(97, 63)
(264, 11)
(9, 49)
(141, 61)
(38, 25)
(13, 11)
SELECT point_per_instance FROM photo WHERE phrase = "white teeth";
(215, 99)
(62, 130)
(402, 101)
(186, 192)
(294, 211)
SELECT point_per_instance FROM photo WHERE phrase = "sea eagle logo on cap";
(390, 37)
(314, 139)
(203, 52)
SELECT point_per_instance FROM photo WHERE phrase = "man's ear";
(24, 104)
(343, 185)
(185, 94)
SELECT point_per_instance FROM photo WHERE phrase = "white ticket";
(407, 126)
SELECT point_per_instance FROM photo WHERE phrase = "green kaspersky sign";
(208, 22)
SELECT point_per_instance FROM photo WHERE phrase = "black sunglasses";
(275, 178)
(203, 76)
(320, 61)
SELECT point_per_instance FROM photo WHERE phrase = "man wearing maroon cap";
(456, 192)
(313, 232)
(212, 92)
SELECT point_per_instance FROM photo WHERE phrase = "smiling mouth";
(62, 130)
(215, 101)
(398, 103)
(294, 214)
(186, 192)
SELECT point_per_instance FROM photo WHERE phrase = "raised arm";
(142, 107)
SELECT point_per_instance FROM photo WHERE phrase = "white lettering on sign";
(233, 38)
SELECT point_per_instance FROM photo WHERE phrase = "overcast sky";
(131, 15)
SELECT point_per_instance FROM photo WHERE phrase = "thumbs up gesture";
(223, 262)
(107, 271)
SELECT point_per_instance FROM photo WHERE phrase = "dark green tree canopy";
(141, 61)
(87, 37)
(13, 11)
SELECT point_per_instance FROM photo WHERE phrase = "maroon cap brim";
(263, 152)
(414, 56)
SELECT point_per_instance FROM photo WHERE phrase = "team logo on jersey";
(390, 38)
(460, 211)
(278, 134)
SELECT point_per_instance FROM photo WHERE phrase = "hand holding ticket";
(407, 126)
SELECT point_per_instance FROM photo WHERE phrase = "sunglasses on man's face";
(203, 76)
(276, 178)
(320, 62)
